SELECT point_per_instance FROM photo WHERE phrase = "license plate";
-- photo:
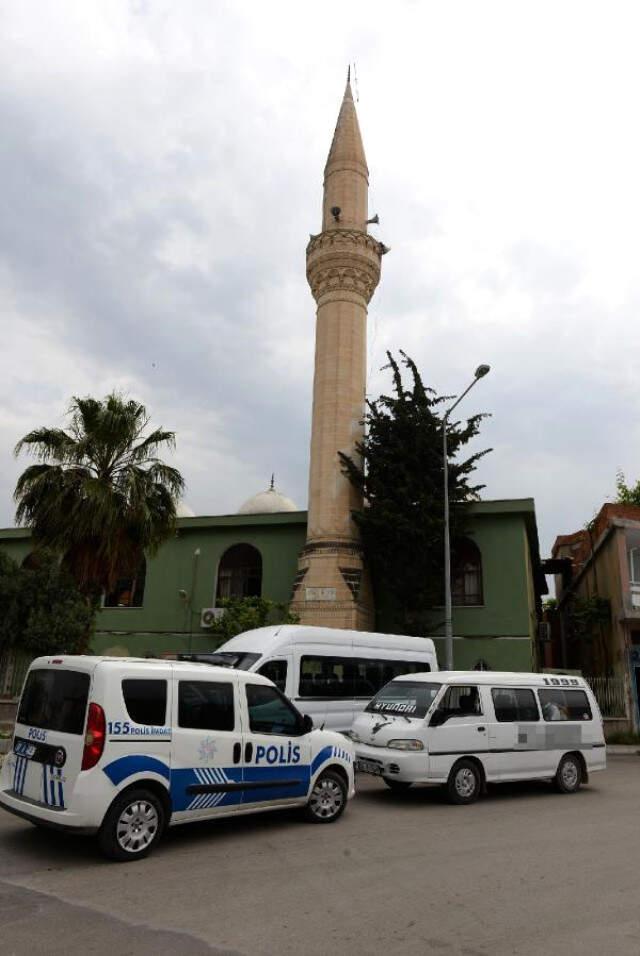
(24, 749)
(368, 766)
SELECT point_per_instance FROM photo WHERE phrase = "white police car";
(122, 747)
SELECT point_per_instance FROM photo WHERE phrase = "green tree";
(627, 494)
(401, 477)
(41, 609)
(100, 496)
(245, 614)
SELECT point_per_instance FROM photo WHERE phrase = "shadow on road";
(437, 796)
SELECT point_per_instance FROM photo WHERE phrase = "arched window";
(129, 589)
(466, 574)
(240, 572)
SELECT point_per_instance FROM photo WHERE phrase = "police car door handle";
(248, 752)
(481, 729)
(237, 752)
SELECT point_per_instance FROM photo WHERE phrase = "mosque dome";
(270, 501)
(184, 511)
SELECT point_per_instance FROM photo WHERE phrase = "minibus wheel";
(132, 826)
(464, 783)
(569, 774)
(398, 786)
(327, 799)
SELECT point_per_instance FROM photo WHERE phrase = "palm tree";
(100, 496)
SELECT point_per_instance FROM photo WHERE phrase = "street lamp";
(480, 372)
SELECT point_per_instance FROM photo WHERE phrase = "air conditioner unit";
(544, 631)
(209, 615)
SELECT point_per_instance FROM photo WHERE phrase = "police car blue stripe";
(45, 783)
(25, 770)
(118, 770)
(60, 789)
(52, 790)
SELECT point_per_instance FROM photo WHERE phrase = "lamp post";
(480, 372)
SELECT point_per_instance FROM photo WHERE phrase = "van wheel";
(464, 783)
(328, 798)
(398, 786)
(568, 775)
(132, 826)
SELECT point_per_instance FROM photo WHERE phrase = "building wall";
(500, 632)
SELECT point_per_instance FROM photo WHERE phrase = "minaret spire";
(343, 268)
(346, 175)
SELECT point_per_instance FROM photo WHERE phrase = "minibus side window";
(205, 705)
(145, 700)
(514, 704)
(561, 704)
(342, 677)
(276, 671)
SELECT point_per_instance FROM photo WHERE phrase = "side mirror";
(438, 717)
(307, 724)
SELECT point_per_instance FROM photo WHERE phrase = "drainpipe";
(194, 575)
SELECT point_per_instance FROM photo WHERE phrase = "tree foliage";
(245, 614)
(41, 609)
(100, 495)
(400, 474)
(627, 494)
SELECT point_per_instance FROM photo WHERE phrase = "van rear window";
(55, 700)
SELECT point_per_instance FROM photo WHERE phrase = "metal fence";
(14, 665)
(611, 694)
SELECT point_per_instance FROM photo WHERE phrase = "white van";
(468, 728)
(329, 673)
(123, 747)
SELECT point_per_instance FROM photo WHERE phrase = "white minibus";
(329, 673)
(122, 748)
(465, 729)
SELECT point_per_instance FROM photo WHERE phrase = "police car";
(121, 748)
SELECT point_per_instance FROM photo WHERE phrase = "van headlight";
(403, 744)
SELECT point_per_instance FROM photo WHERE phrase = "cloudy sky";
(161, 170)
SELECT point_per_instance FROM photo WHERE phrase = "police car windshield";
(405, 698)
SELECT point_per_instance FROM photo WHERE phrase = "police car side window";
(205, 705)
(145, 700)
(269, 712)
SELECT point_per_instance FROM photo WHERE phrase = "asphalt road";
(524, 871)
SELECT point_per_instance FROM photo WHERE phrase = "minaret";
(343, 269)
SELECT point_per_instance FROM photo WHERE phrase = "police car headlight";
(406, 744)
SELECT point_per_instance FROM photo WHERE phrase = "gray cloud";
(161, 170)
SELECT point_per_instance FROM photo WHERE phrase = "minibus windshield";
(408, 698)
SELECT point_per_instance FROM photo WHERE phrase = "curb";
(620, 749)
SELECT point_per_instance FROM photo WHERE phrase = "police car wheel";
(568, 775)
(132, 826)
(399, 786)
(464, 783)
(328, 798)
